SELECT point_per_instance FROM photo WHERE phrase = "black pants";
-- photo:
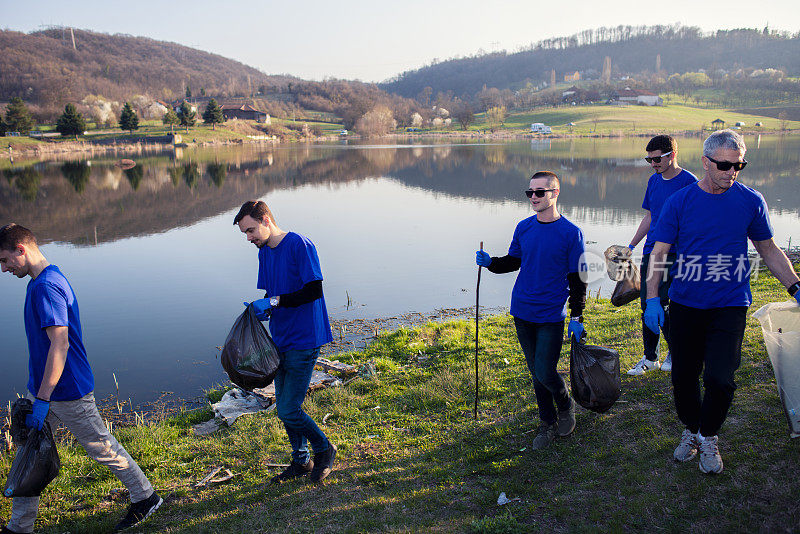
(650, 338)
(705, 338)
(541, 344)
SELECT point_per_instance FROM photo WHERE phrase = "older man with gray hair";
(708, 224)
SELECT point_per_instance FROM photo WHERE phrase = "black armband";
(794, 288)
(506, 264)
(308, 293)
(577, 294)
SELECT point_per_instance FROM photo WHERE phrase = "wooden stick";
(477, 315)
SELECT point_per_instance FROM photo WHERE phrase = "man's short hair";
(13, 235)
(664, 143)
(257, 209)
(727, 139)
(552, 179)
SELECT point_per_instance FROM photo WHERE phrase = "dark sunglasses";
(657, 159)
(726, 165)
(538, 192)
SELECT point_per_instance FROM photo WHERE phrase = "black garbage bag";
(594, 374)
(36, 462)
(629, 287)
(249, 356)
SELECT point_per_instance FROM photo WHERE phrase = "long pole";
(477, 315)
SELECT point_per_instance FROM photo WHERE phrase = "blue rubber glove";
(654, 314)
(482, 258)
(576, 329)
(37, 418)
(631, 247)
(797, 297)
(262, 307)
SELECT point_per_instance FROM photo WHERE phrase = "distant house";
(634, 96)
(718, 124)
(576, 95)
(243, 111)
(574, 77)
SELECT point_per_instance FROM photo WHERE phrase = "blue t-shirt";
(286, 269)
(549, 251)
(50, 301)
(709, 235)
(658, 191)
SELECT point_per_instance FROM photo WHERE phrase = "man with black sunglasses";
(708, 225)
(548, 250)
(667, 178)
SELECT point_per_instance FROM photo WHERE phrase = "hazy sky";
(374, 40)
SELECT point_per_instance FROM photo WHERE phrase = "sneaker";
(667, 365)
(139, 511)
(295, 470)
(710, 459)
(323, 464)
(566, 420)
(545, 436)
(687, 448)
(643, 366)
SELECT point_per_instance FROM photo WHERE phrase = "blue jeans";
(541, 344)
(649, 338)
(291, 384)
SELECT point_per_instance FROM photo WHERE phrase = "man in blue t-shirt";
(548, 251)
(290, 274)
(708, 224)
(662, 155)
(60, 380)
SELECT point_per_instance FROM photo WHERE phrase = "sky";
(373, 40)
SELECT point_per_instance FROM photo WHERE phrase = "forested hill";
(44, 68)
(630, 49)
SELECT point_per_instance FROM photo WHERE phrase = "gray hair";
(727, 139)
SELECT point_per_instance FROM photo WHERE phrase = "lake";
(161, 272)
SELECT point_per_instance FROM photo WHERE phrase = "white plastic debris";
(502, 499)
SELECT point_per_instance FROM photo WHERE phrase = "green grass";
(630, 120)
(412, 459)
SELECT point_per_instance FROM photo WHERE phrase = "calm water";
(161, 272)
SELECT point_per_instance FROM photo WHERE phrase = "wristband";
(794, 288)
(579, 318)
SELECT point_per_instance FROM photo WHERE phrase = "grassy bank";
(411, 457)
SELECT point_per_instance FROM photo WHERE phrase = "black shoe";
(295, 470)
(139, 511)
(6, 530)
(324, 463)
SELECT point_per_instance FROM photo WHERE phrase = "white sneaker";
(643, 366)
(710, 458)
(687, 448)
(667, 365)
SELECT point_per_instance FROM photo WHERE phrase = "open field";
(412, 459)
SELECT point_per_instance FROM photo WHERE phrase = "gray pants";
(83, 420)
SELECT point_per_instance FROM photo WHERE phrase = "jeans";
(712, 339)
(84, 422)
(291, 384)
(541, 344)
(649, 338)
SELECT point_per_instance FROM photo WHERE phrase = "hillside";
(631, 50)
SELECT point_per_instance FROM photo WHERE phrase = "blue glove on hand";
(631, 247)
(262, 307)
(576, 329)
(797, 297)
(37, 418)
(654, 314)
(482, 258)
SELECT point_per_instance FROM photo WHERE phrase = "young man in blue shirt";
(668, 178)
(548, 250)
(290, 274)
(60, 382)
(708, 224)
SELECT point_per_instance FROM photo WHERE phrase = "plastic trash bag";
(594, 376)
(780, 324)
(618, 258)
(249, 355)
(629, 286)
(36, 462)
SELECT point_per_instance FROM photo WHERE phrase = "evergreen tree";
(18, 118)
(171, 118)
(186, 115)
(128, 120)
(134, 176)
(77, 173)
(188, 92)
(71, 122)
(217, 173)
(213, 114)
